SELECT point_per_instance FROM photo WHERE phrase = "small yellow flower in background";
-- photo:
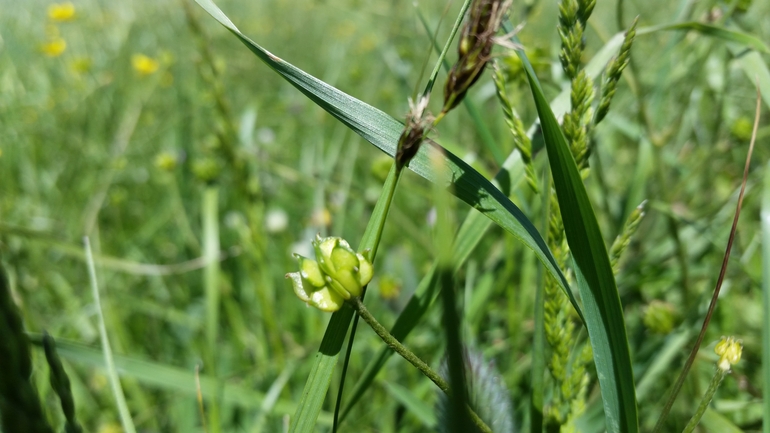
(729, 350)
(144, 65)
(61, 12)
(54, 48)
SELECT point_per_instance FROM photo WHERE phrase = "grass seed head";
(417, 125)
(474, 49)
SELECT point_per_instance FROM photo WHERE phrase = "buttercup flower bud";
(347, 271)
(729, 350)
(323, 298)
(339, 274)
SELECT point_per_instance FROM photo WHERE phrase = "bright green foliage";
(197, 170)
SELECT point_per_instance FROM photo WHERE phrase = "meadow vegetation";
(194, 172)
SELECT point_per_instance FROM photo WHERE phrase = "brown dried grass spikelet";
(474, 49)
(417, 124)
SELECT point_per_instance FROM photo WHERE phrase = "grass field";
(195, 171)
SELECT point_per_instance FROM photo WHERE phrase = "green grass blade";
(766, 301)
(756, 71)
(469, 235)
(713, 31)
(417, 407)
(714, 422)
(596, 282)
(383, 131)
(173, 379)
(210, 223)
(112, 374)
(320, 377)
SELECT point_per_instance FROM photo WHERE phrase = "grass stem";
(112, 373)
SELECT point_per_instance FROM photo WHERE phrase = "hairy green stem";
(704, 403)
(408, 355)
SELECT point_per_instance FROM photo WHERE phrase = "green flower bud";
(339, 274)
(729, 350)
(322, 297)
(310, 271)
(346, 271)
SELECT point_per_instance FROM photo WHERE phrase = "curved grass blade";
(596, 282)
(382, 130)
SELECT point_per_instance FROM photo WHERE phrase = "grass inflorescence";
(197, 173)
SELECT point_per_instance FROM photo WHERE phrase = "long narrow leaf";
(173, 379)
(596, 282)
(383, 131)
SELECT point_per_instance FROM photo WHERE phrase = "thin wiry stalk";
(712, 305)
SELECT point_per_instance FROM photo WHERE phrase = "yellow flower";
(729, 350)
(144, 65)
(54, 48)
(60, 12)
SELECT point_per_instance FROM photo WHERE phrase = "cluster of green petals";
(338, 274)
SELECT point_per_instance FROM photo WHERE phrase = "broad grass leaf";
(596, 282)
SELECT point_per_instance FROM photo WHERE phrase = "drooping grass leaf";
(596, 282)
(471, 232)
(383, 131)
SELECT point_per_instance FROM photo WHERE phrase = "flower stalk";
(729, 350)
(408, 355)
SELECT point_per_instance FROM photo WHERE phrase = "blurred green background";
(118, 120)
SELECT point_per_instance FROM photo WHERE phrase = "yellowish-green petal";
(298, 286)
(365, 270)
(311, 271)
(326, 300)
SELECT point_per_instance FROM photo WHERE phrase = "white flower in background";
(276, 220)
